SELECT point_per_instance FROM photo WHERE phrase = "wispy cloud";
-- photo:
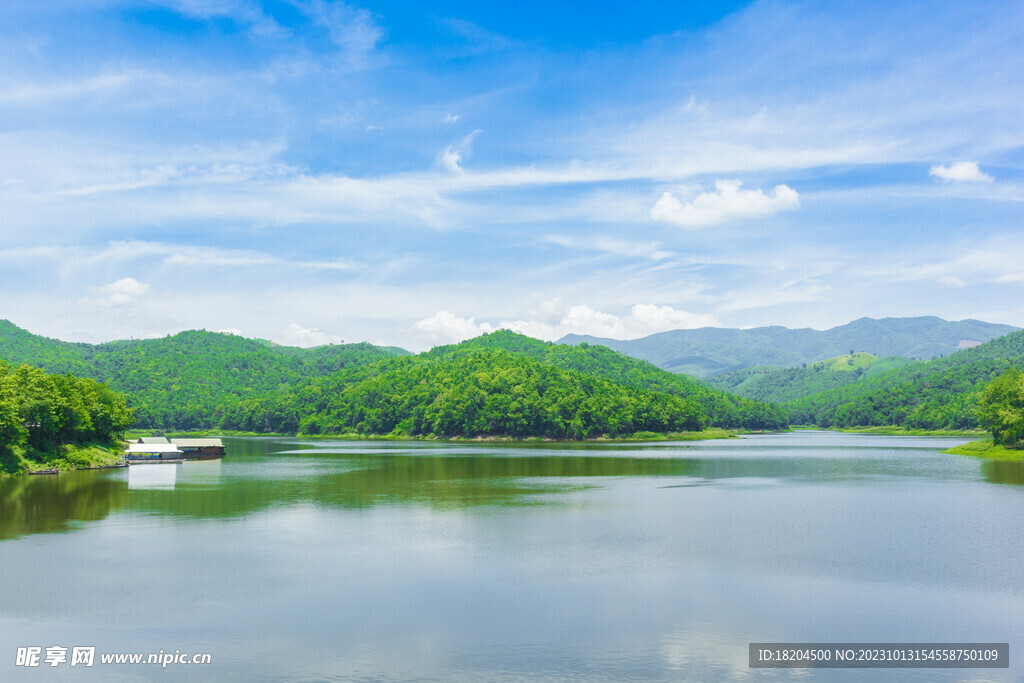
(246, 12)
(611, 245)
(234, 145)
(456, 153)
(349, 27)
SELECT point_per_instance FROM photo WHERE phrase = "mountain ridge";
(708, 351)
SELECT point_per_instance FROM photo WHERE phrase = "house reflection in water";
(162, 475)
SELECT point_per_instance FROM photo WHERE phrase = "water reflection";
(153, 476)
(262, 473)
(1004, 471)
(43, 504)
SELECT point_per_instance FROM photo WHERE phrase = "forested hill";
(42, 416)
(721, 409)
(504, 385)
(500, 384)
(777, 385)
(186, 381)
(710, 350)
(938, 394)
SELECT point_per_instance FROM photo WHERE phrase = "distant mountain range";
(711, 351)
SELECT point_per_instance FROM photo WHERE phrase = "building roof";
(152, 448)
(154, 439)
(198, 443)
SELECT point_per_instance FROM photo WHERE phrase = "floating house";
(158, 448)
(152, 452)
(200, 449)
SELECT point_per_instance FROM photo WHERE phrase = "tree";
(1001, 408)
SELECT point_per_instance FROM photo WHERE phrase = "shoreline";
(69, 458)
(897, 431)
(987, 450)
(703, 435)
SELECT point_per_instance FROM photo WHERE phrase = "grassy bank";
(986, 449)
(711, 433)
(899, 431)
(21, 460)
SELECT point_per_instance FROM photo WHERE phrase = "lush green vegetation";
(1001, 409)
(720, 409)
(188, 381)
(56, 420)
(494, 392)
(938, 394)
(777, 385)
(502, 384)
(710, 351)
(988, 450)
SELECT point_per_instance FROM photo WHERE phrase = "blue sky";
(417, 173)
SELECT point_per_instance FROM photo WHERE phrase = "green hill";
(205, 380)
(937, 394)
(504, 384)
(776, 385)
(187, 380)
(709, 351)
(721, 409)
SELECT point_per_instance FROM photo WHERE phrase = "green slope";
(776, 385)
(188, 380)
(492, 392)
(504, 384)
(721, 409)
(938, 394)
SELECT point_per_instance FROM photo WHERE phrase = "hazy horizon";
(418, 350)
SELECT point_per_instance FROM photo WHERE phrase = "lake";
(307, 560)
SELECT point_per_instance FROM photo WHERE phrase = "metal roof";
(154, 439)
(198, 443)
(152, 448)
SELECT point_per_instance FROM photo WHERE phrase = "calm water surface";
(316, 560)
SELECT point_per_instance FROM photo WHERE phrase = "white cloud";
(962, 172)
(451, 118)
(124, 292)
(297, 335)
(642, 320)
(951, 281)
(445, 327)
(729, 203)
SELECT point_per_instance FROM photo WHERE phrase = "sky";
(413, 174)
